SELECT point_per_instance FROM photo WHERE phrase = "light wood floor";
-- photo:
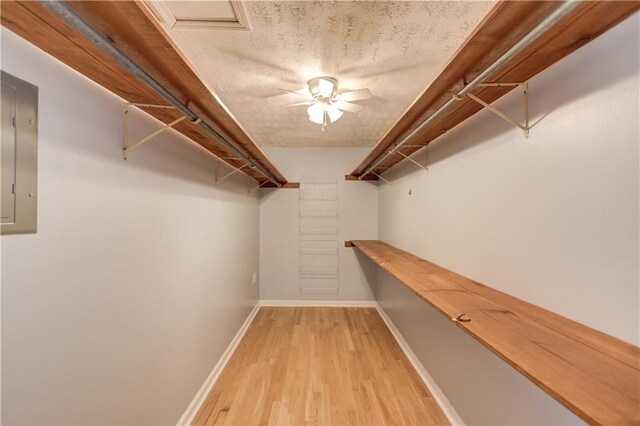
(326, 366)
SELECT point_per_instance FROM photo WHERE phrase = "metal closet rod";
(75, 21)
(524, 42)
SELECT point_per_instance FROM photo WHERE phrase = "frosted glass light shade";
(316, 113)
(334, 113)
(318, 110)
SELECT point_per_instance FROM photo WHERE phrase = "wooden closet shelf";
(132, 29)
(593, 374)
(505, 24)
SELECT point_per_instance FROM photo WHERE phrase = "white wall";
(552, 219)
(139, 276)
(279, 225)
(140, 273)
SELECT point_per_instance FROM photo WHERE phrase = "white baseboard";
(440, 398)
(192, 410)
(322, 303)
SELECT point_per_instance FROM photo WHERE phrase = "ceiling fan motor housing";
(323, 88)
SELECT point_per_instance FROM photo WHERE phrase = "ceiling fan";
(325, 103)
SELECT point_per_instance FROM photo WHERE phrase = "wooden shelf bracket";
(506, 117)
(126, 148)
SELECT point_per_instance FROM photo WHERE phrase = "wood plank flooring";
(326, 366)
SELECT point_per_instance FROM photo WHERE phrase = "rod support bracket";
(259, 186)
(126, 148)
(381, 178)
(506, 117)
(408, 157)
(234, 171)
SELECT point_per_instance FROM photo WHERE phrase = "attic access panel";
(212, 15)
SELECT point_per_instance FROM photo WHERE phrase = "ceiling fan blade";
(301, 92)
(346, 106)
(384, 70)
(300, 103)
(356, 95)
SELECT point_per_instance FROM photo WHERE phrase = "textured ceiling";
(394, 48)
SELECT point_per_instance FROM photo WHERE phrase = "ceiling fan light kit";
(326, 87)
(319, 111)
(326, 105)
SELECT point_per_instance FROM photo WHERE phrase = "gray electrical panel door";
(18, 156)
(8, 154)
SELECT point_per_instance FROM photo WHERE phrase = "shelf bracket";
(259, 186)
(525, 88)
(381, 178)
(410, 159)
(126, 148)
(235, 170)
